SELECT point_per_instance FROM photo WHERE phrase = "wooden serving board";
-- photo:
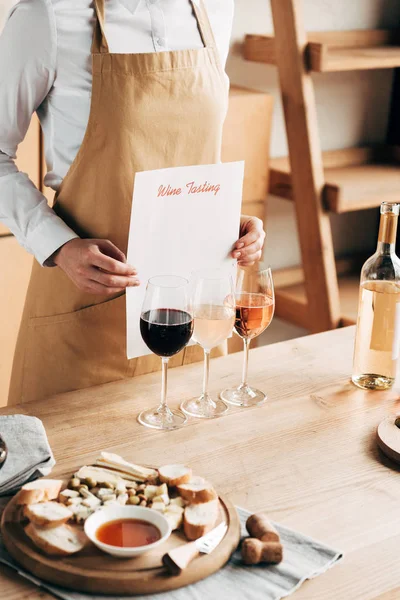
(94, 571)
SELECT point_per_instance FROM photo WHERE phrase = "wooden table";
(308, 457)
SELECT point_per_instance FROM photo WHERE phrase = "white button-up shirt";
(45, 66)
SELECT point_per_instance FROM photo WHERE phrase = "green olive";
(90, 482)
(74, 483)
(107, 484)
(133, 500)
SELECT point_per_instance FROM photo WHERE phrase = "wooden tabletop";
(307, 457)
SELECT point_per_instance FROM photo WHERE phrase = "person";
(119, 86)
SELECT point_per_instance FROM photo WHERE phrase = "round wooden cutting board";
(96, 572)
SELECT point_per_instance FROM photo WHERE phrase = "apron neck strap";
(99, 44)
(203, 23)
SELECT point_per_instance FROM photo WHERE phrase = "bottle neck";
(387, 234)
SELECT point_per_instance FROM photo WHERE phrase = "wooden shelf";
(355, 178)
(328, 51)
(291, 302)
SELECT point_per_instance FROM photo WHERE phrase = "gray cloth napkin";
(304, 558)
(29, 454)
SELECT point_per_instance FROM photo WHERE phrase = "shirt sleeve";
(28, 47)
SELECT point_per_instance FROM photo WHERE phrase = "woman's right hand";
(95, 266)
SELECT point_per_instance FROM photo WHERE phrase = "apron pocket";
(75, 350)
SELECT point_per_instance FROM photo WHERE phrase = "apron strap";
(203, 23)
(99, 44)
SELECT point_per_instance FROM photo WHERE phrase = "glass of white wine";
(213, 305)
(255, 304)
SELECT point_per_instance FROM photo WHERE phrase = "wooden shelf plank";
(291, 302)
(355, 178)
(335, 50)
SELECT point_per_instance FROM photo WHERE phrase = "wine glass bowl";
(255, 303)
(166, 326)
(214, 315)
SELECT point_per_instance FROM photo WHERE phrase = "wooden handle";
(178, 559)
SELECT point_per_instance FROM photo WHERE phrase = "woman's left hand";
(248, 248)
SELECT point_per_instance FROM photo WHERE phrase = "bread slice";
(48, 514)
(174, 475)
(174, 519)
(59, 541)
(41, 490)
(199, 519)
(197, 491)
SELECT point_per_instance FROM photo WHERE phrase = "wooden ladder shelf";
(319, 182)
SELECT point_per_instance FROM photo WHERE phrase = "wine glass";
(214, 316)
(166, 325)
(255, 303)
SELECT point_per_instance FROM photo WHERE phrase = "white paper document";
(183, 219)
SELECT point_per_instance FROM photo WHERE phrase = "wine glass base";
(243, 396)
(157, 418)
(204, 408)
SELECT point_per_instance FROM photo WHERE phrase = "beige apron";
(148, 111)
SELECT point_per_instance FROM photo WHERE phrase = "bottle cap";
(390, 207)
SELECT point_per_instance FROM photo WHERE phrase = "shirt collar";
(131, 5)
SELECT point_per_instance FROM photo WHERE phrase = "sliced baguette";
(174, 519)
(59, 541)
(199, 519)
(41, 490)
(48, 514)
(174, 475)
(114, 461)
(197, 491)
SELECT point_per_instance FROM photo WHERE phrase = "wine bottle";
(377, 342)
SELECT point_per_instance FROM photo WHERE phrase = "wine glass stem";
(206, 372)
(245, 361)
(164, 378)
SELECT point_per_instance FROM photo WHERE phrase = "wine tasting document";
(183, 219)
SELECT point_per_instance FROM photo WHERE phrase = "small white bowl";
(112, 513)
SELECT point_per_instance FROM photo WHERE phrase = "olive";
(74, 483)
(90, 482)
(133, 500)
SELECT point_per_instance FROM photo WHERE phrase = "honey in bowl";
(128, 533)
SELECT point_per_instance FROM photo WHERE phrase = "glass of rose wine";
(255, 303)
(214, 314)
(166, 325)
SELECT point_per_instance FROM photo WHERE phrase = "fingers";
(109, 263)
(249, 261)
(93, 287)
(110, 280)
(111, 249)
(248, 249)
(250, 238)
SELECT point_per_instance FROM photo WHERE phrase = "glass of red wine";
(166, 325)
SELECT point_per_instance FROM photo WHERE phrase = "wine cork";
(254, 552)
(261, 528)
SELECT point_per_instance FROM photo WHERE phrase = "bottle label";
(396, 334)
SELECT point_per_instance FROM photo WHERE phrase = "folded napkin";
(29, 454)
(304, 558)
